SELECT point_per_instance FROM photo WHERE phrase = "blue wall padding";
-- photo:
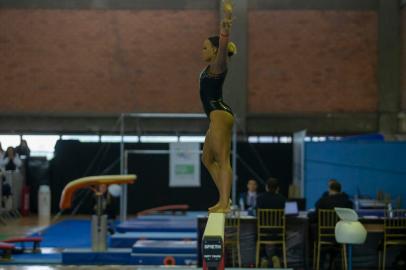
(365, 166)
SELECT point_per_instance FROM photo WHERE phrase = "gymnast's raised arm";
(220, 63)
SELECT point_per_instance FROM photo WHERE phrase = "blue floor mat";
(67, 234)
(36, 258)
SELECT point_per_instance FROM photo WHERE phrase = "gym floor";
(27, 225)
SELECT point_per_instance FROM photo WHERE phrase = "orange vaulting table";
(92, 182)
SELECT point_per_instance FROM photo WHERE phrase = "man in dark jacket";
(335, 198)
(331, 181)
(271, 199)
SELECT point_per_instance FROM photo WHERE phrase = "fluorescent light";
(82, 138)
(191, 139)
(131, 139)
(285, 139)
(268, 139)
(108, 138)
(159, 139)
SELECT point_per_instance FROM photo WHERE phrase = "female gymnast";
(216, 150)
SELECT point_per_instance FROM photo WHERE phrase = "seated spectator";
(335, 198)
(248, 200)
(11, 161)
(23, 150)
(331, 181)
(271, 199)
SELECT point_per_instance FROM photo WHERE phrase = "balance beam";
(213, 242)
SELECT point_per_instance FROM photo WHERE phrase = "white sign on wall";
(184, 165)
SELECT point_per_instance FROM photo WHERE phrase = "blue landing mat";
(67, 234)
(188, 215)
(36, 258)
(165, 247)
(127, 240)
(158, 226)
(88, 257)
(122, 257)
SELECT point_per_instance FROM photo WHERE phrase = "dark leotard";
(211, 91)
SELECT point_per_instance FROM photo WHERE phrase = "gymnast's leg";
(219, 144)
(210, 163)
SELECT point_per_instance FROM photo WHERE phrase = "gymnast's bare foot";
(214, 206)
(217, 205)
(220, 208)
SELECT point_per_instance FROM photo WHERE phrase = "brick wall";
(102, 61)
(403, 57)
(120, 61)
(312, 61)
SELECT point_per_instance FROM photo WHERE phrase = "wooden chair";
(232, 236)
(271, 230)
(394, 232)
(327, 220)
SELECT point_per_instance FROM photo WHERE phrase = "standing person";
(11, 160)
(216, 150)
(109, 204)
(23, 149)
(24, 153)
(1, 151)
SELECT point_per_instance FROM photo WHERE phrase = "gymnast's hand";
(228, 8)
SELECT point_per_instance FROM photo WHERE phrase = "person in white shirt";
(249, 198)
(10, 161)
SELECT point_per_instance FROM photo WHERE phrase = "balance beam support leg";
(213, 242)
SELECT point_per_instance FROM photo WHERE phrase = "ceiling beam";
(111, 5)
(256, 124)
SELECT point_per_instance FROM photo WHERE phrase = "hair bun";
(231, 48)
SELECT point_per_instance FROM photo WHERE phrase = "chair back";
(271, 224)
(232, 227)
(327, 220)
(395, 224)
